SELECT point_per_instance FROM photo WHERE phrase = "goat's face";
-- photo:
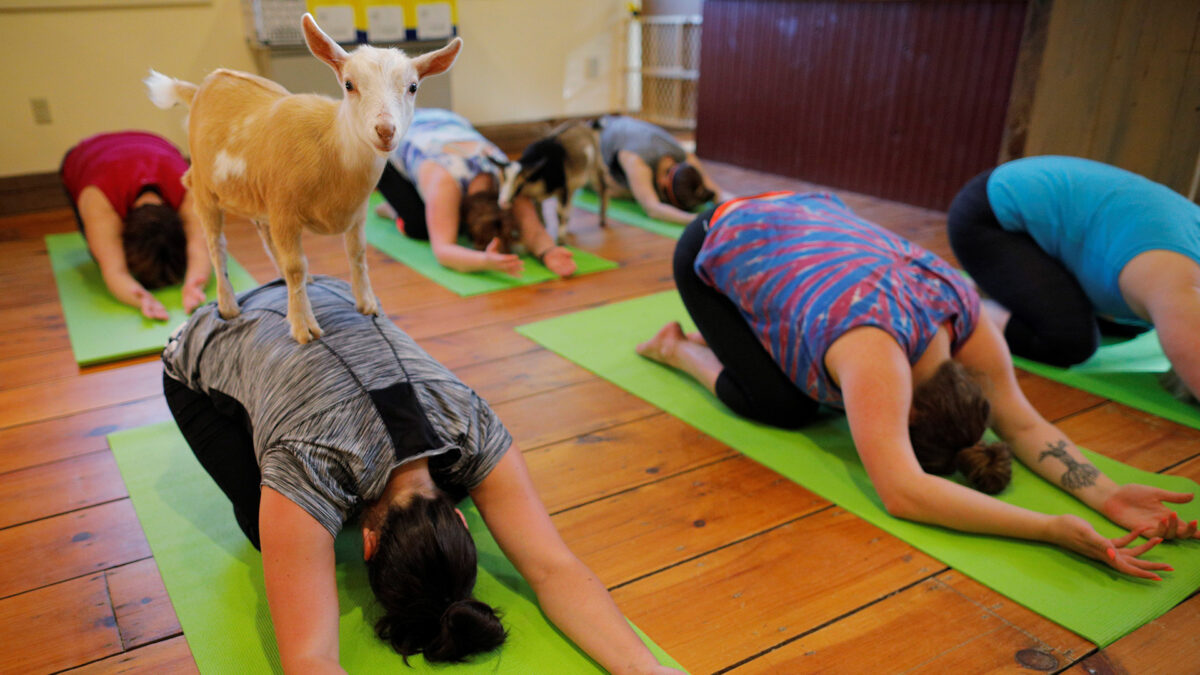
(380, 84)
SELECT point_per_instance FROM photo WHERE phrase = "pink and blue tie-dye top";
(804, 269)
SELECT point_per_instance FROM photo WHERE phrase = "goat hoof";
(228, 313)
(368, 308)
(304, 333)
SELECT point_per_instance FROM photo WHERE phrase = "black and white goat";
(557, 165)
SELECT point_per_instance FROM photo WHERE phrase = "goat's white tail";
(167, 91)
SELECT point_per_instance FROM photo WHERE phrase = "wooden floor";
(725, 564)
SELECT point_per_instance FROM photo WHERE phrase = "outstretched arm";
(198, 265)
(298, 568)
(1047, 451)
(641, 183)
(568, 592)
(876, 382)
(443, 199)
(102, 228)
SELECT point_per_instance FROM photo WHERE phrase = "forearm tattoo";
(1078, 474)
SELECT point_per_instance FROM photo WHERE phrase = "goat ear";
(322, 46)
(435, 63)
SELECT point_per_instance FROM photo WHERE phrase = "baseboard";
(31, 192)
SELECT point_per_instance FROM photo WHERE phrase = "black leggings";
(403, 196)
(220, 438)
(751, 383)
(1052, 319)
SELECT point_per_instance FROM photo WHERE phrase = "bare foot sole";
(385, 210)
(661, 347)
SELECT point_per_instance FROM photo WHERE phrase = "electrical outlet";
(41, 110)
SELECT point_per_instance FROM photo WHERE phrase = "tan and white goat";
(294, 161)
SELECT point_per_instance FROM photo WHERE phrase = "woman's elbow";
(899, 504)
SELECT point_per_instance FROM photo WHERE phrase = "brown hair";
(155, 246)
(483, 220)
(423, 575)
(949, 415)
(685, 187)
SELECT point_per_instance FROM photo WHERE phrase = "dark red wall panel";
(903, 100)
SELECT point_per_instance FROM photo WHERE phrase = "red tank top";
(121, 164)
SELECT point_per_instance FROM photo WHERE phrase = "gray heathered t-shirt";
(641, 138)
(332, 418)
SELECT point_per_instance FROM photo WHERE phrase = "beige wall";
(529, 59)
(89, 64)
(522, 60)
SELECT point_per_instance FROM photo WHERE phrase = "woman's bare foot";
(697, 338)
(385, 210)
(996, 312)
(662, 346)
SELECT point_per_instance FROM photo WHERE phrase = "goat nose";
(385, 131)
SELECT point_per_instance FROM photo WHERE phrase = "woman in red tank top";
(137, 217)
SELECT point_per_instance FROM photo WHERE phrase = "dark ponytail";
(423, 574)
(948, 418)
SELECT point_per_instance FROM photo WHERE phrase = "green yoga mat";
(383, 235)
(1126, 372)
(102, 328)
(214, 577)
(627, 211)
(1082, 595)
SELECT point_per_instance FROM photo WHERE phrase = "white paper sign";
(385, 23)
(433, 21)
(338, 22)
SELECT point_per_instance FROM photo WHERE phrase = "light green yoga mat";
(214, 577)
(1126, 372)
(1082, 595)
(103, 329)
(383, 235)
(627, 211)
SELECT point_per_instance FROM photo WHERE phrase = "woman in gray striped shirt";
(303, 438)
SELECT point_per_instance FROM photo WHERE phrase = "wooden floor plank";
(48, 551)
(144, 612)
(57, 627)
(56, 398)
(681, 517)
(927, 628)
(1133, 437)
(57, 487)
(169, 656)
(570, 411)
(595, 465)
(733, 603)
(73, 435)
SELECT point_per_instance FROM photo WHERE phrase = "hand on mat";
(1141, 507)
(151, 307)
(560, 261)
(502, 262)
(193, 294)
(1078, 535)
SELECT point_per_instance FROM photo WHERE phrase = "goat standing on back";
(293, 161)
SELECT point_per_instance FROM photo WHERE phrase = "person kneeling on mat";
(137, 218)
(303, 439)
(801, 303)
(1070, 249)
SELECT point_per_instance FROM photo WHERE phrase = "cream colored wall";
(522, 60)
(89, 65)
(528, 59)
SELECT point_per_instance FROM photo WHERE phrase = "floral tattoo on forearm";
(1079, 474)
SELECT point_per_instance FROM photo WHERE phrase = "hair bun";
(468, 626)
(987, 466)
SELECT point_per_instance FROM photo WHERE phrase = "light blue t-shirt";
(1093, 218)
